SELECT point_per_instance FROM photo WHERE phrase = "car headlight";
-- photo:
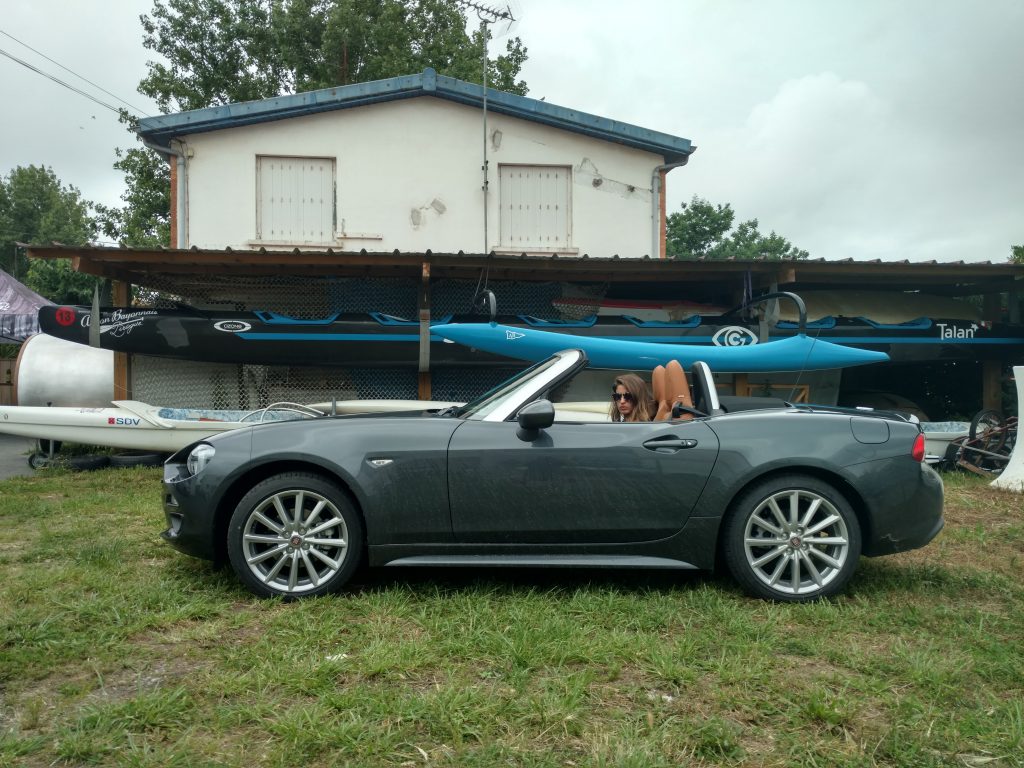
(199, 457)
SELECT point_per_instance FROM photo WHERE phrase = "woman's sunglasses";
(616, 396)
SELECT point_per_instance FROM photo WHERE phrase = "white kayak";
(139, 426)
(135, 425)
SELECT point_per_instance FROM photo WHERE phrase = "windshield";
(500, 402)
(487, 402)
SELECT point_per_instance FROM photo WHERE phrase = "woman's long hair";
(643, 401)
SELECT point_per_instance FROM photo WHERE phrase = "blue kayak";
(795, 353)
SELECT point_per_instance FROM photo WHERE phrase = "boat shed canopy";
(162, 129)
(695, 279)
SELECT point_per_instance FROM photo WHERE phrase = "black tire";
(38, 461)
(88, 462)
(137, 459)
(811, 536)
(952, 454)
(272, 552)
(987, 426)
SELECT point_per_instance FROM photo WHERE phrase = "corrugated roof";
(138, 265)
(162, 129)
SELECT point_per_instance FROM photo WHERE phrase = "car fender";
(397, 475)
(757, 444)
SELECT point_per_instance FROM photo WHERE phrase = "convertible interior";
(676, 396)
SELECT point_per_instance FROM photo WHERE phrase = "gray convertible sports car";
(790, 496)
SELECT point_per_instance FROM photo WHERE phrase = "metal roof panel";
(162, 129)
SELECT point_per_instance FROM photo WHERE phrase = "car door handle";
(671, 443)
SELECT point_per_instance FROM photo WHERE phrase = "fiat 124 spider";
(788, 496)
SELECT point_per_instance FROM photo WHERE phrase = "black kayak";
(380, 340)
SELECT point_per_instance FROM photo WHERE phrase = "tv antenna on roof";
(488, 14)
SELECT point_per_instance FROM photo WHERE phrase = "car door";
(576, 483)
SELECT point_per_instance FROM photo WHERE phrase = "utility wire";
(70, 87)
(71, 71)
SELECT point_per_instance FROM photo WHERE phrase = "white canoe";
(140, 426)
(135, 425)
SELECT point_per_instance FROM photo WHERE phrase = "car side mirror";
(534, 417)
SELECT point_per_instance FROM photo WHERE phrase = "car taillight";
(917, 452)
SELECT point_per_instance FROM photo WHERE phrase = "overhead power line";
(48, 76)
(66, 69)
(71, 71)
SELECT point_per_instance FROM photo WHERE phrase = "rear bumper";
(914, 521)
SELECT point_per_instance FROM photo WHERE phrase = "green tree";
(747, 242)
(1017, 254)
(702, 229)
(145, 220)
(698, 228)
(225, 51)
(36, 208)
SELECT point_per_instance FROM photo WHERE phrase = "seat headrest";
(658, 384)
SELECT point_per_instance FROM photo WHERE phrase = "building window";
(295, 199)
(535, 207)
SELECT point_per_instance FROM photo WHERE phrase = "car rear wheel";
(792, 538)
(295, 535)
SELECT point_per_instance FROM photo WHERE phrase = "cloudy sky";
(864, 129)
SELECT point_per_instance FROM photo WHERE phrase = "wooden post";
(122, 360)
(992, 370)
(740, 386)
(992, 385)
(990, 304)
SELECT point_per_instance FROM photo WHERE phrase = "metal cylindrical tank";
(51, 371)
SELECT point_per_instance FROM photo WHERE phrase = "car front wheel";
(295, 535)
(792, 538)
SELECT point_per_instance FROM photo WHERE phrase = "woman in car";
(631, 399)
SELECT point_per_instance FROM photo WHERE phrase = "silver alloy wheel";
(796, 542)
(294, 540)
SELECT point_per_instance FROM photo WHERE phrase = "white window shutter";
(535, 206)
(295, 199)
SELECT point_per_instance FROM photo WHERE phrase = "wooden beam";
(992, 385)
(121, 295)
(423, 386)
(991, 306)
(740, 384)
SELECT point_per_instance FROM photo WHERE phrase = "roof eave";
(161, 130)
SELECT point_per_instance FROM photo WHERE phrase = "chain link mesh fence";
(186, 384)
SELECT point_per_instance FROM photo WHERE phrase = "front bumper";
(189, 513)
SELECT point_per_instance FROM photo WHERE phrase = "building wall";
(408, 177)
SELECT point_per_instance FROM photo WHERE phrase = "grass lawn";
(116, 650)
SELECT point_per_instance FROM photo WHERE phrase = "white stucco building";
(398, 165)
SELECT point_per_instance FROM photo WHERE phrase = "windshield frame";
(504, 400)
